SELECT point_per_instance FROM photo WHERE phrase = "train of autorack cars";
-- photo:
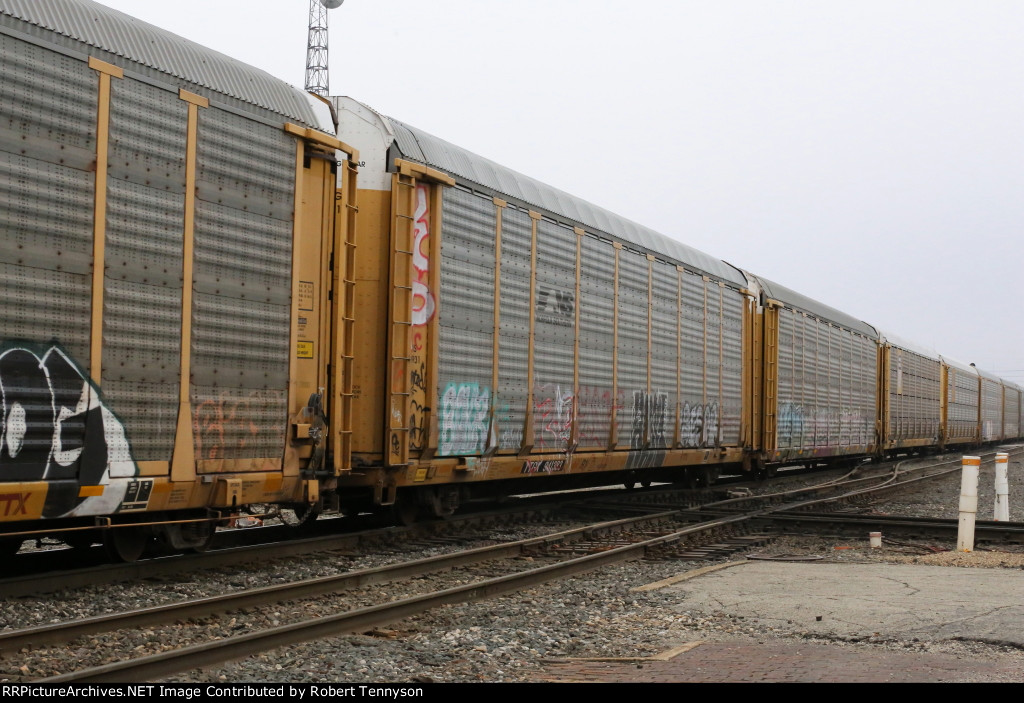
(220, 291)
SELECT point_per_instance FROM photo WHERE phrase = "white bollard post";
(968, 503)
(1002, 513)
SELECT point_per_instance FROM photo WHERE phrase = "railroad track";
(659, 535)
(985, 531)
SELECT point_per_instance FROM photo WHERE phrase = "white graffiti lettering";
(464, 429)
(698, 425)
(56, 427)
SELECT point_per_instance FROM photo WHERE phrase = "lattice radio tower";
(316, 48)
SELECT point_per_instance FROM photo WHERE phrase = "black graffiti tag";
(53, 426)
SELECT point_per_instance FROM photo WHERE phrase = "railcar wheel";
(406, 508)
(199, 535)
(125, 543)
(443, 501)
(646, 483)
(630, 485)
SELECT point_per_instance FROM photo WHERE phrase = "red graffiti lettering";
(14, 503)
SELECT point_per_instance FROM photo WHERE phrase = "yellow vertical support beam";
(574, 438)
(721, 360)
(290, 463)
(884, 361)
(528, 431)
(753, 366)
(771, 362)
(328, 195)
(99, 235)
(434, 325)
(614, 420)
(183, 462)
(499, 210)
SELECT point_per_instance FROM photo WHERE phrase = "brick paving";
(795, 662)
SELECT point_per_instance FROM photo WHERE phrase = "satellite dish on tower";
(331, 4)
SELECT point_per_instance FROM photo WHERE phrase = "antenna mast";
(316, 48)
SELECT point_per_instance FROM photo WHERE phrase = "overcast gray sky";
(868, 154)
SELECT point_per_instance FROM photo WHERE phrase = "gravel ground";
(509, 638)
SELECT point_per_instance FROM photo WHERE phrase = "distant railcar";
(961, 403)
(820, 380)
(911, 407)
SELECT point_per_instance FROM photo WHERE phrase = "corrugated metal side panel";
(713, 362)
(632, 362)
(554, 337)
(597, 342)
(991, 410)
(241, 328)
(865, 390)
(699, 415)
(789, 426)
(142, 298)
(664, 354)
(962, 404)
(47, 146)
(79, 24)
(1011, 413)
(732, 366)
(815, 410)
(514, 334)
(914, 385)
(466, 324)
(846, 351)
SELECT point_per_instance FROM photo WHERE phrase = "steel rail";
(236, 647)
(62, 633)
(227, 649)
(983, 528)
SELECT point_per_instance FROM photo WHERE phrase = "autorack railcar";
(166, 214)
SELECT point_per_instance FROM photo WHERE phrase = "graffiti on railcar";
(14, 503)
(423, 304)
(699, 424)
(225, 427)
(423, 308)
(511, 431)
(543, 467)
(649, 415)
(464, 426)
(790, 423)
(645, 459)
(554, 408)
(593, 413)
(657, 419)
(56, 427)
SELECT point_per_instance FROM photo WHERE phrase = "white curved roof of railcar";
(957, 364)
(417, 145)
(989, 375)
(801, 302)
(909, 346)
(92, 24)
